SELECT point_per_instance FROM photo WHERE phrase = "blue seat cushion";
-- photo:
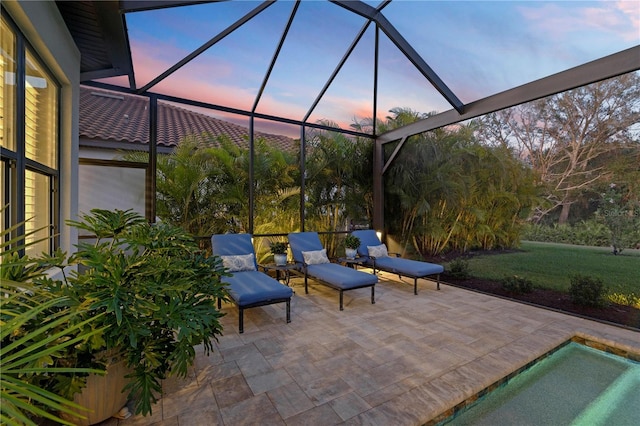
(340, 276)
(368, 237)
(408, 267)
(251, 287)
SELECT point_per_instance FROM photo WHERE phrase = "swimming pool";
(575, 385)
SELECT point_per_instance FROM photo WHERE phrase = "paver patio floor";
(402, 361)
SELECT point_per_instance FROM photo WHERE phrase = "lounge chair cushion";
(251, 287)
(239, 262)
(340, 276)
(367, 238)
(414, 268)
(315, 257)
(397, 265)
(378, 251)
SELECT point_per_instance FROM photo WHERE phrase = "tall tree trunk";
(564, 214)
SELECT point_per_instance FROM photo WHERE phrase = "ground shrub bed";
(624, 315)
(588, 297)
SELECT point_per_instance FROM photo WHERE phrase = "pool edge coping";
(584, 339)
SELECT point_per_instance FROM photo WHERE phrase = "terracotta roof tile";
(119, 117)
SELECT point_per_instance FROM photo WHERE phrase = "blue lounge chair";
(383, 262)
(248, 288)
(309, 254)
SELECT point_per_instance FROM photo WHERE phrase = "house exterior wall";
(42, 24)
(105, 187)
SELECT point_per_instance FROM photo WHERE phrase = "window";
(29, 121)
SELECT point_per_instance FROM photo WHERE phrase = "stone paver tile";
(188, 399)
(213, 358)
(269, 346)
(325, 389)
(257, 410)
(290, 400)
(257, 335)
(349, 405)
(239, 352)
(139, 419)
(425, 405)
(337, 365)
(385, 394)
(318, 416)
(384, 354)
(173, 421)
(201, 418)
(394, 371)
(362, 382)
(254, 364)
(212, 373)
(284, 359)
(342, 347)
(267, 381)
(448, 390)
(231, 390)
(174, 383)
(304, 371)
(516, 354)
(315, 352)
(388, 413)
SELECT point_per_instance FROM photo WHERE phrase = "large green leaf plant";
(151, 295)
(38, 332)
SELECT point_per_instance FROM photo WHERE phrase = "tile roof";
(119, 117)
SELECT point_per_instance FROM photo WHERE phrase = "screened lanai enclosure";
(352, 87)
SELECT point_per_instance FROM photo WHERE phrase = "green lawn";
(550, 265)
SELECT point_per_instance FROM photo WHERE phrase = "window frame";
(16, 162)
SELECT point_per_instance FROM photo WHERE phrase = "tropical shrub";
(459, 268)
(586, 233)
(446, 191)
(37, 341)
(517, 284)
(587, 291)
(151, 292)
(338, 183)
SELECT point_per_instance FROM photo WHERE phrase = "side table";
(283, 272)
(351, 263)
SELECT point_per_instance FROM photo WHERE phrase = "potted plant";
(154, 294)
(37, 339)
(279, 251)
(351, 244)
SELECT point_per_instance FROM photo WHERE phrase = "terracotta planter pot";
(103, 395)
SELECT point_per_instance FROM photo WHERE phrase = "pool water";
(576, 385)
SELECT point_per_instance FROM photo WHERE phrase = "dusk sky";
(478, 48)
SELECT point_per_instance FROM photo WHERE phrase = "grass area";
(550, 265)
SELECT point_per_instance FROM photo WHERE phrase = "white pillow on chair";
(378, 251)
(315, 257)
(240, 262)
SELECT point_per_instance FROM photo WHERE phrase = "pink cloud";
(620, 18)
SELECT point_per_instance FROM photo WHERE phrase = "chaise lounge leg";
(219, 303)
(373, 295)
(306, 286)
(241, 320)
(438, 281)
(415, 286)
(341, 300)
(289, 311)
